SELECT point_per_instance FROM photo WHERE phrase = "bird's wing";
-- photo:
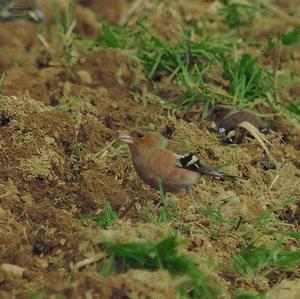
(188, 160)
(191, 162)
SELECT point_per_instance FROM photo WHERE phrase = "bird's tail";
(227, 175)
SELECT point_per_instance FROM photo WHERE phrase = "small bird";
(227, 118)
(10, 10)
(157, 160)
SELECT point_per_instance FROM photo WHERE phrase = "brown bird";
(228, 118)
(159, 160)
(10, 10)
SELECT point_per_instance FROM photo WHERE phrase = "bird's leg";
(162, 198)
(190, 192)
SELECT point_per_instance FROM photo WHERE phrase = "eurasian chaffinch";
(157, 159)
(20, 9)
(228, 118)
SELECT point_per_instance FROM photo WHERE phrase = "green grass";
(188, 64)
(107, 218)
(113, 37)
(36, 296)
(68, 111)
(80, 152)
(61, 39)
(169, 208)
(258, 258)
(249, 81)
(216, 217)
(292, 37)
(198, 60)
(160, 255)
(246, 295)
(237, 15)
(254, 258)
(263, 260)
(294, 107)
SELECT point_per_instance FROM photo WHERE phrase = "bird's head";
(141, 142)
(219, 111)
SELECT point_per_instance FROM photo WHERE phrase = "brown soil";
(57, 162)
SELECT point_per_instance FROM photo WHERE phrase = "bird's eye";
(140, 135)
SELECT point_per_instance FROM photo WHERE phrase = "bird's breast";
(161, 166)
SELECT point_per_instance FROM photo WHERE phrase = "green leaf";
(107, 218)
(112, 37)
(256, 259)
(237, 15)
(292, 38)
(287, 259)
(108, 266)
(294, 108)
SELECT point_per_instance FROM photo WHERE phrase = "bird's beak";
(126, 138)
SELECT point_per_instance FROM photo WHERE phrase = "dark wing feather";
(191, 162)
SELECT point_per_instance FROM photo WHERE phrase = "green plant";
(294, 108)
(68, 111)
(292, 37)
(189, 64)
(107, 218)
(63, 38)
(64, 23)
(80, 152)
(248, 81)
(185, 61)
(216, 217)
(159, 255)
(36, 296)
(268, 223)
(238, 14)
(168, 212)
(241, 294)
(113, 37)
(262, 260)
